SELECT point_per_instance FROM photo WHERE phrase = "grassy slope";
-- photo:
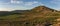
(31, 18)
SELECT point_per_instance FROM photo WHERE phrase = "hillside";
(38, 16)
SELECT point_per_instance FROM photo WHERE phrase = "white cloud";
(41, 4)
(31, 3)
(13, 1)
(20, 2)
(16, 1)
(35, 2)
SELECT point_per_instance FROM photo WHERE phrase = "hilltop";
(43, 8)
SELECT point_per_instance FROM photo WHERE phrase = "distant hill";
(12, 12)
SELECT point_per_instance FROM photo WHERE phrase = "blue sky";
(8, 5)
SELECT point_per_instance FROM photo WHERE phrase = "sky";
(9, 5)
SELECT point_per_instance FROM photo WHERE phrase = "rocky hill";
(43, 8)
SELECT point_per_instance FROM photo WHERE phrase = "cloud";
(31, 3)
(1, 3)
(13, 1)
(57, 3)
(16, 1)
(22, 2)
(22, 5)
